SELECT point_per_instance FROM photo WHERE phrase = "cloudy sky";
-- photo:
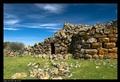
(32, 23)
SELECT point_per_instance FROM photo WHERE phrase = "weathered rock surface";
(76, 38)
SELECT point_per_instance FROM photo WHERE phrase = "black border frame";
(49, 1)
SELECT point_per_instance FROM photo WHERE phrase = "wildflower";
(76, 66)
(97, 67)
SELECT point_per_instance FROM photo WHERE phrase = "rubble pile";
(57, 71)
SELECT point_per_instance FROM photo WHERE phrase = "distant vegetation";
(13, 46)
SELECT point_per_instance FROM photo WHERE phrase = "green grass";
(87, 69)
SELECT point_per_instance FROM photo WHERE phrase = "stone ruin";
(82, 41)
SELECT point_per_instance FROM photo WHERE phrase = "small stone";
(91, 40)
(19, 75)
(57, 78)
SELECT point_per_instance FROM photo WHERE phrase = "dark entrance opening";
(52, 48)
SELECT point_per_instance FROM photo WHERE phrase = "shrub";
(13, 46)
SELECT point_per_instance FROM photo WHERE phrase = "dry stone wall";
(83, 41)
(97, 42)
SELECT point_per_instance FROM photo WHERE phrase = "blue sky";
(32, 23)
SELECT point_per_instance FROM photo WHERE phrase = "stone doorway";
(52, 48)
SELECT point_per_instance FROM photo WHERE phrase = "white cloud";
(11, 29)
(54, 28)
(17, 25)
(8, 16)
(11, 22)
(10, 19)
(49, 24)
(52, 8)
(37, 16)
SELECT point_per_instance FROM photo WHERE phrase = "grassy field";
(89, 69)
